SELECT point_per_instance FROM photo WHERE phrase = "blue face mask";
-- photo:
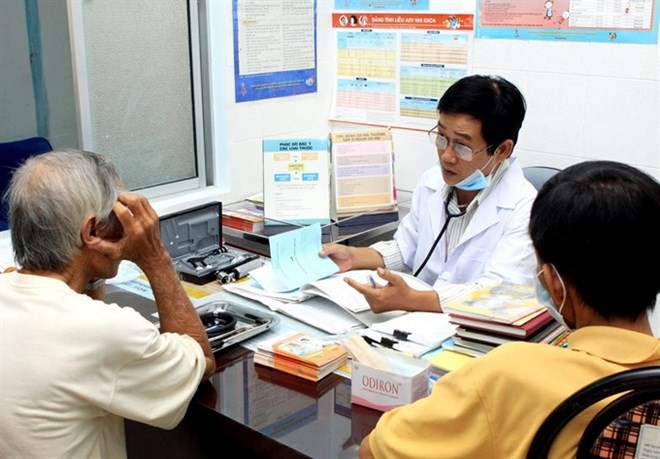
(476, 180)
(546, 300)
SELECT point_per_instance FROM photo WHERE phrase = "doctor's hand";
(396, 294)
(348, 258)
(340, 254)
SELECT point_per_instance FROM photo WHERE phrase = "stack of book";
(301, 355)
(364, 222)
(314, 389)
(244, 215)
(501, 313)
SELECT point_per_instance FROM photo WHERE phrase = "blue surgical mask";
(546, 300)
(476, 180)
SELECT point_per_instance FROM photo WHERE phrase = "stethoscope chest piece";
(217, 322)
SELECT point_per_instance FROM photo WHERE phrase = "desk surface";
(262, 413)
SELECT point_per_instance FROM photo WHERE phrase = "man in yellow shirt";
(589, 225)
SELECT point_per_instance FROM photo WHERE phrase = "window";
(139, 90)
(129, 86)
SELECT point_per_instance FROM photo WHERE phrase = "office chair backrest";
(538, 175)
(12, 155)
(616, 430)
(626, 414)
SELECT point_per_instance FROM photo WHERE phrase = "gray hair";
(49, 197)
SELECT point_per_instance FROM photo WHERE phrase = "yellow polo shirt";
(493, 406)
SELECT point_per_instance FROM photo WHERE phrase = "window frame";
(204, 162)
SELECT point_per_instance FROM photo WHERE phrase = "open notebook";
(337, 290)
(329, 304)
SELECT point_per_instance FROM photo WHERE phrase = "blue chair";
(538, 175)
(12, 155)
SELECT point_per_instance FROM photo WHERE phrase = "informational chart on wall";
(274, 48)
(392, 68)
(381, 5)
(621, 21)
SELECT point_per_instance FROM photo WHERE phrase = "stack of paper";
(297, 272)
(447, 361)
(301, 355)
(295, 261)
(317, 312)
(417, 332)
(337, 290)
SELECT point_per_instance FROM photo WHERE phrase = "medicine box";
(382, 390)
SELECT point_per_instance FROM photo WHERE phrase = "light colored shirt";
(457, 226)
(71, 368)
(490, 242)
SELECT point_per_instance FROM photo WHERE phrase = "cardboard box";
(383, 390)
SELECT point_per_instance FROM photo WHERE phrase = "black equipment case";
(193, 238)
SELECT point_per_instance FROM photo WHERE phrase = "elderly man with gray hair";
(71, 366)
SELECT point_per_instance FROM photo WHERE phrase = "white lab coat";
(495, 245)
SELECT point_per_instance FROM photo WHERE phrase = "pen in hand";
(372, 281)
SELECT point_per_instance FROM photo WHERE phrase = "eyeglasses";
(442, 143)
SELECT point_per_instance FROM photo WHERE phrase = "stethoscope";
(443, 230)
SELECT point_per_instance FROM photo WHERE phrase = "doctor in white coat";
(468, 222)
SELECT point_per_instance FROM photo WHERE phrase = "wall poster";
(274, 48)
(620, 21)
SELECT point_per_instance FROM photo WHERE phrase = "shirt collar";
(616, 344)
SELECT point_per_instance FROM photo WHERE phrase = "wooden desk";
(262, 413)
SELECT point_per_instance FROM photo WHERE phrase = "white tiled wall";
(585, 101)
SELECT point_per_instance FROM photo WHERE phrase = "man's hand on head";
(141, 241)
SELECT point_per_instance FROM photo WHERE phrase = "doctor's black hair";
(496, 102)
(597, 221)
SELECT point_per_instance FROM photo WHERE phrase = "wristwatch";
(98, 283)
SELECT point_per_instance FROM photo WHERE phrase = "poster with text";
(274, 48)
(296, 181)
(621, 21)
(391, 69)
(382, 5)
(362, 172)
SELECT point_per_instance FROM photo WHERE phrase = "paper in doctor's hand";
(295, 260)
